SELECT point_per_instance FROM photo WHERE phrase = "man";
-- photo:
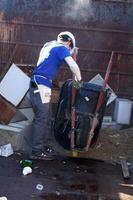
(51, 57)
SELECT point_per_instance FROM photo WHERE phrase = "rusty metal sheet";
(99, 26)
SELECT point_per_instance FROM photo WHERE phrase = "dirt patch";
(112, 144)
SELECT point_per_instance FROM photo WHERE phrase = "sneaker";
(41, 156)
(50, 151)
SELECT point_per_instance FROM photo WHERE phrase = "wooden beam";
(7, 111)
(125, 169)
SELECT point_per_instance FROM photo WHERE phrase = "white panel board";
(14, 85)
(98, 80)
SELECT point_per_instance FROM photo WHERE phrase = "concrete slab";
(12, 137)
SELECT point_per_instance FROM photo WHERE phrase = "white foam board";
(28, 113)
(14, 85)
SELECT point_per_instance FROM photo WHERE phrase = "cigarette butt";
(75, 153)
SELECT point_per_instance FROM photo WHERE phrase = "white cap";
(68, 36)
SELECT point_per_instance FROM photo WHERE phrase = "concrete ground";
(64, 178)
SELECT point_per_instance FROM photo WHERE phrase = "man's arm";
(73, 67)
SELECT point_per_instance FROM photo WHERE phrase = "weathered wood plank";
(7, 111)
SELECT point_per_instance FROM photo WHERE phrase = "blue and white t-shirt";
(51, 57)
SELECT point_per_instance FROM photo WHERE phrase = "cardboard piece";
(98, 80)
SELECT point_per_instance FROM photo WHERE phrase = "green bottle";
(26, 163)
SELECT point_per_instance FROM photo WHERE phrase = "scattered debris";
(6, 150)
(125, 169)
(58, 193)
(98, 146)
(39, 187)
(41, 173)
(3, 198)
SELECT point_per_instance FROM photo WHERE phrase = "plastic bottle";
(26, 163)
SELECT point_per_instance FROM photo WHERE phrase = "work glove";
(77, 84)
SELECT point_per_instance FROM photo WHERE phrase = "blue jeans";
(41, 125)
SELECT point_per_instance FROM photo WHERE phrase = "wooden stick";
(99, 104)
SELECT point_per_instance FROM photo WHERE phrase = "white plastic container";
(27, 170)
(123, 111)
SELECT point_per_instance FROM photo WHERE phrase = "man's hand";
(77, 84)
(74, 53)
